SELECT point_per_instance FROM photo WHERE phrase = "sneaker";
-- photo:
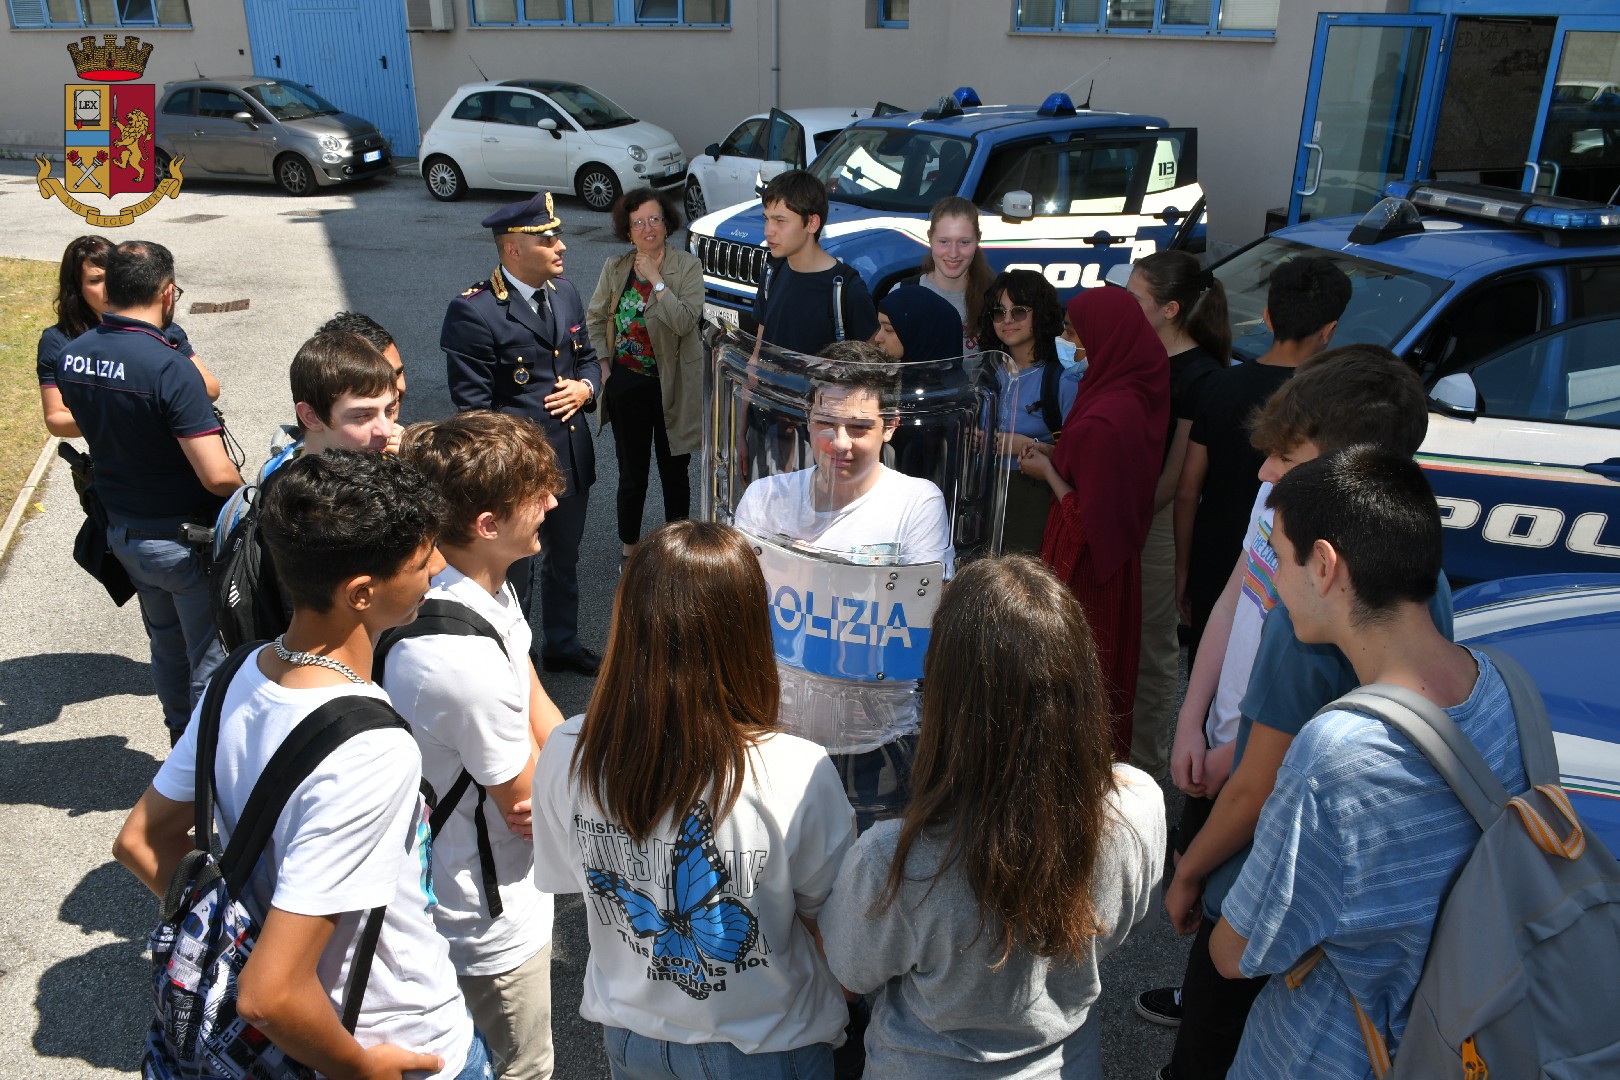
(1161, 1006)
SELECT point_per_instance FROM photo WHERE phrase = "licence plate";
(372, 155)
(671, 170)
(717, 314)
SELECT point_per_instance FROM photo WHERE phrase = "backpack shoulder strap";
(304, 748)
(1536, 745)
(213, 706)
(436, 616)
(443, 616)
(1432, 731)
(1051, 396)
(838, 304)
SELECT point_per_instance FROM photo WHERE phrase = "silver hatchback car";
(257, 128)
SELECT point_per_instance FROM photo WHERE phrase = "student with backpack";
(352, 536)
(345, 397)
(808, 299)
(461, 675)
(1355, 394)
(1022, 317)
(1359, 843)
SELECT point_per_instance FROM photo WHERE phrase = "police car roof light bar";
(1391, 217)
(967, 97)
(1538, 211)
(1057, 104)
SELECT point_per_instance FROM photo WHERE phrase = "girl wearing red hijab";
(1102, 472)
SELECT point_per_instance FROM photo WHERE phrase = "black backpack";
(242, 587)
(433, 618)
(205, 933)
(773, 269)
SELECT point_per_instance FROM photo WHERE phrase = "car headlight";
(331, 142)
(637, 153)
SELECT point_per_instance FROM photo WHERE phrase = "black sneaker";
(1161, 1006)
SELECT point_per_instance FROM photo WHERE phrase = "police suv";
(1508, 305)
(1060, 189)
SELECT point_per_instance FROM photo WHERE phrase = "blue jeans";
(477, 1066)
(878, 782)
(636, 1057)
(172, 586)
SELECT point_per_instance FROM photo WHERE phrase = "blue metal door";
(1369, 108)
(355, 53)
(1576, 151)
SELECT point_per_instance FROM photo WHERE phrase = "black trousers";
(636, 405)
(1213, 1012)
(560, 536)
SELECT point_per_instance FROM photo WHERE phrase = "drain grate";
(197, 219)
(200, 308)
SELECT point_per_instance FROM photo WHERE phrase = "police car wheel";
(293, 175)
(695, 206)
(597, 186)
(444, 179)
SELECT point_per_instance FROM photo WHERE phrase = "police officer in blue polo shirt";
(143, 408)
(516, 343)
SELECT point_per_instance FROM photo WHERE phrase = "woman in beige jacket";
(644, 320)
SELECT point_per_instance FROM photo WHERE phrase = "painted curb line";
(8, 531)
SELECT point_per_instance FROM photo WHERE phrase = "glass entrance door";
(1369, 101)
(1577, 152)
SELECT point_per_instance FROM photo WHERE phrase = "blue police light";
(966, 96)
(1056, 105)
(1507, 207)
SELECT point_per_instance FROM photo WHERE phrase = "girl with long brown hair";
(704, 839)
(979, 918)
(955, 267)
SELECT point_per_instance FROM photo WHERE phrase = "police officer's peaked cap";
(533, 215)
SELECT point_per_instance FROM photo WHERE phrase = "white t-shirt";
(468, 704)
(900, 521)
(728, 900)
(1257, 597)
(352, 837)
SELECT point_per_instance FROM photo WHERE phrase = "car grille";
(742, 263)
(373, 141)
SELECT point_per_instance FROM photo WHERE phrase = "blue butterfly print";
(695, 925)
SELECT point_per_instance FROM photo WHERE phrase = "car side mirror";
(245, 117)
(1456, 395)
(1018, 206)
(768, 171)
(1119, 275)
(549, 124)
(713, 150)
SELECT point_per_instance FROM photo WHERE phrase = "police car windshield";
(1384, 300)
(284, 101)
(892, 168)
(590, 110)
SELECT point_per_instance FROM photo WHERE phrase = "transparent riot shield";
(861, 486)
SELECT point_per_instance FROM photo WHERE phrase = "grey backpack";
(1523, 973)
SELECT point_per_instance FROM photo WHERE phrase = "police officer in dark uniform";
(143, 408)
(516, 343)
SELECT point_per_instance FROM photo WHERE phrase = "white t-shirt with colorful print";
(696, 935)
(1256, 599)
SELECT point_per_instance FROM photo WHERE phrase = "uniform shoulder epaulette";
(475, 288)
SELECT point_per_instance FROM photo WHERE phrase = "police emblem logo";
(109, 143)
(520, 376)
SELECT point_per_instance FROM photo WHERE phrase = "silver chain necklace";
(307, 659)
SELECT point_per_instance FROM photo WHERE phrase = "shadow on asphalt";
(39, 687)
(80, 776)
(95, 1006)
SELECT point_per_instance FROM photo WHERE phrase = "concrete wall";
(1243, 95)
(36, 66)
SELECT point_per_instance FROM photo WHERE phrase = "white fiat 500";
(545, 135)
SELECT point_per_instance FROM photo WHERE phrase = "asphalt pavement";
(81, 733)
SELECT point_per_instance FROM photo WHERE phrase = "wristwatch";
(658, 287)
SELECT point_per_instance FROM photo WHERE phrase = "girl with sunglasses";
(1023, 318)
